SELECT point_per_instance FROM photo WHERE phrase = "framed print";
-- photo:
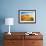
(27, 16)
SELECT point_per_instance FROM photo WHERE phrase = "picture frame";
(26, 16)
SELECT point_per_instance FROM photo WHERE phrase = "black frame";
(25, 22)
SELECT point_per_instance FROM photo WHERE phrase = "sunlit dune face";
(27, 18)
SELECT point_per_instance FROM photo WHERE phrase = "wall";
(9, 8)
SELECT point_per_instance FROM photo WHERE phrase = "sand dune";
(27, 18)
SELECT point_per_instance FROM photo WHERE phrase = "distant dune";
(27, 18)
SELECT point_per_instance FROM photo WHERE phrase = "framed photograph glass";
(27, 16)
